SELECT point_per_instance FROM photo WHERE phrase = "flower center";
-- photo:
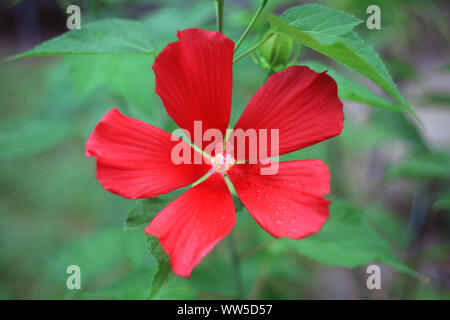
(222, 163)
(223, 160)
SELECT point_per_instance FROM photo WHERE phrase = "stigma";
(223, 160)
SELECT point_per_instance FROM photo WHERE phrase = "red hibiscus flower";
(194, 81)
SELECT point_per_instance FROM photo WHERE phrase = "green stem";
(250, 25)
(194, 146)
(256, 46)
(337, 182)
(269, 73)
(219, 15)
(261, 277)
(237, 279)
(255, 249)
(230, 186)
(205, 176)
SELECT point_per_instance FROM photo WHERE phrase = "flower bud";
(276, 52)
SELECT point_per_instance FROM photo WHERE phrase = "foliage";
(330, 32)
(348, 240)
(112, 36)
(49, 189)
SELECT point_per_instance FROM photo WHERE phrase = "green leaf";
(389, 225)
(348, 240)
(144, 210)
(110, 36)
(399, 126)
(445, 67)
(139, 216)
(384, 128)
(349, 89)
(427, 166)
(168, 20)
(24, 137)
(329, 32)
(162, 273)
(131, 286)
(98, 255)
(443, 201)
(129, 76)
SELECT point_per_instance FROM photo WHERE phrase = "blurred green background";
(54, 213)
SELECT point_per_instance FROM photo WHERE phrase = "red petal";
(134, 158)
(301, 103)
(190, 226)
(194, 79)
(289, 203)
